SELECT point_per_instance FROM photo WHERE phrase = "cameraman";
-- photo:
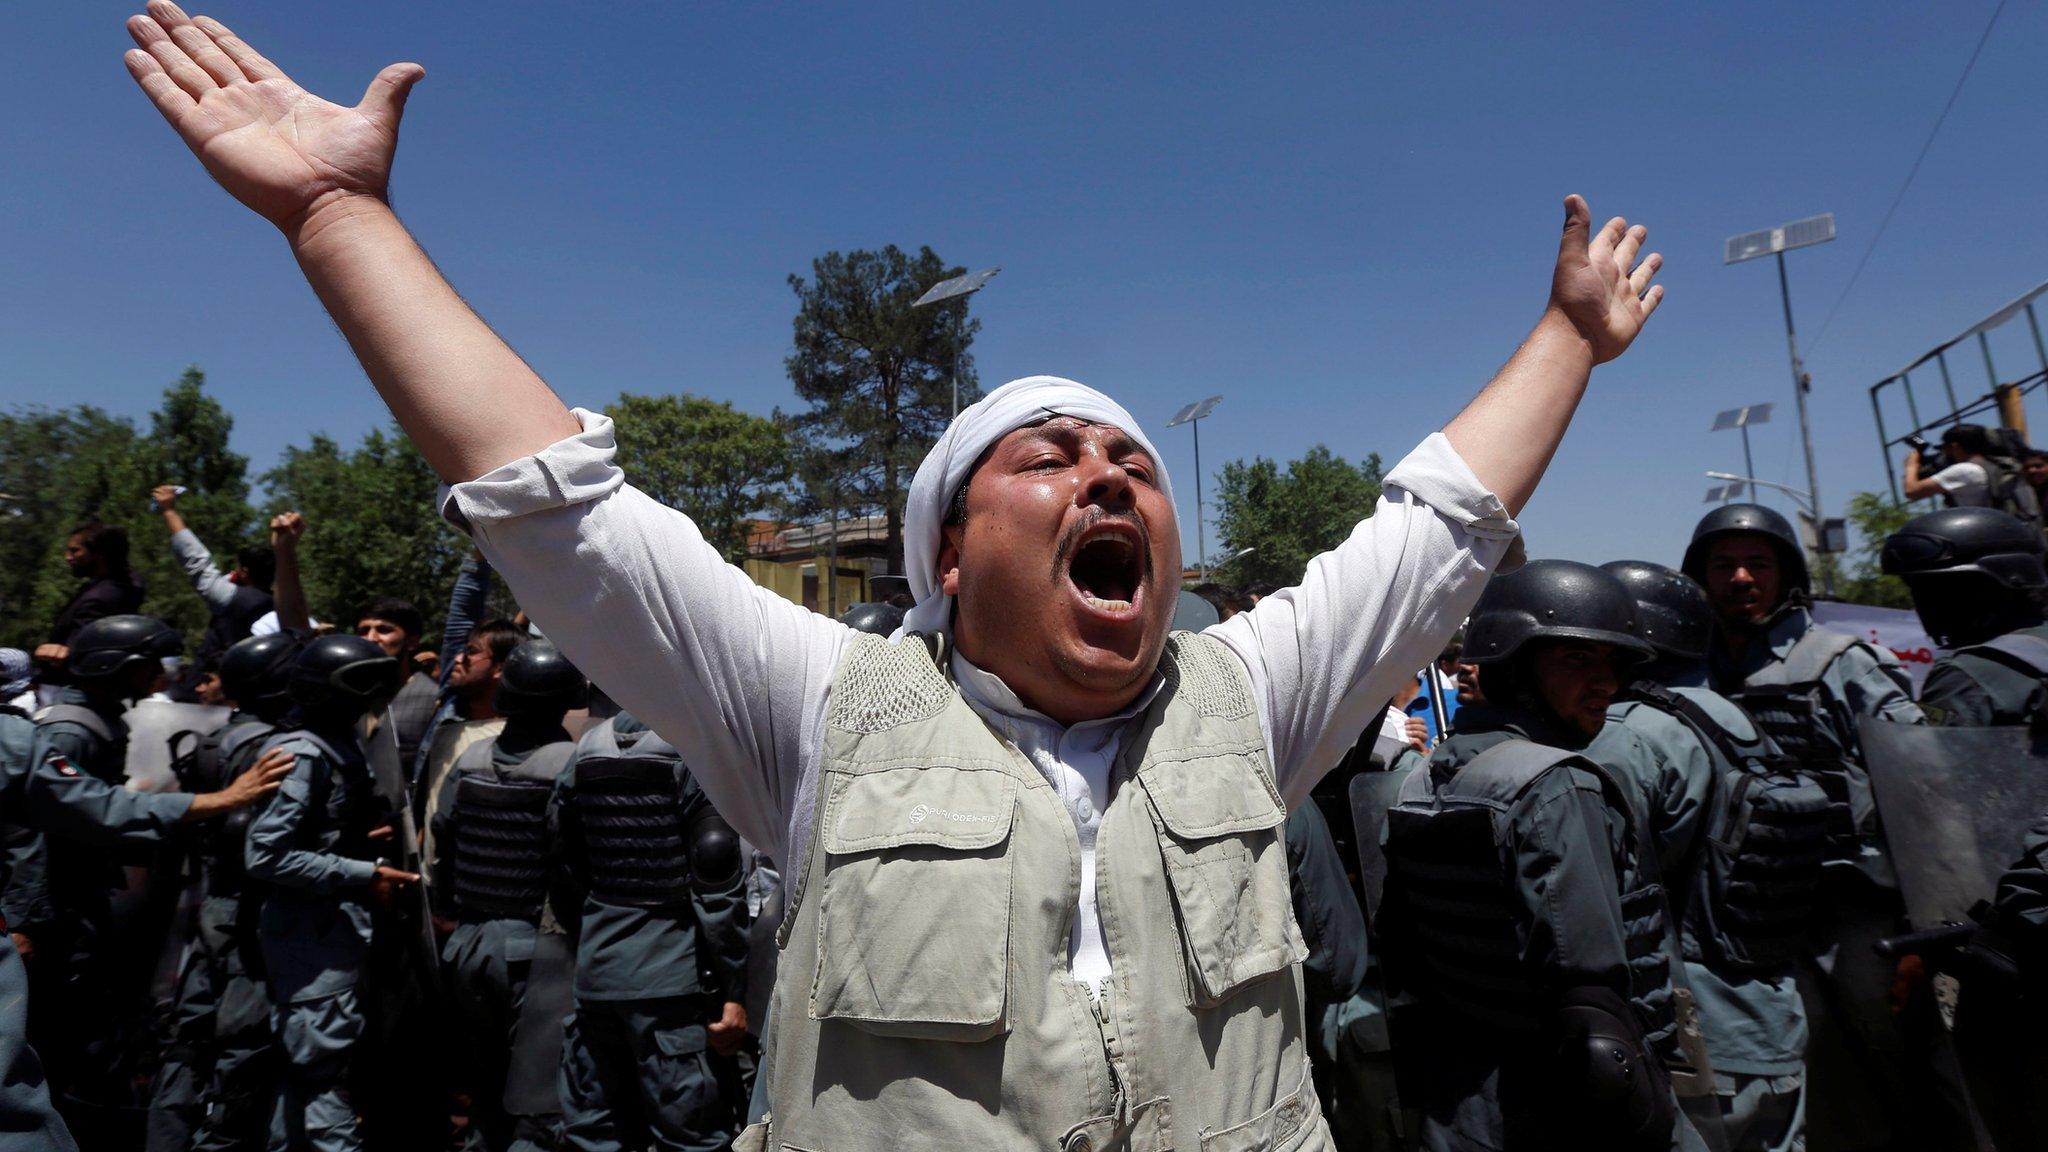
(1966, 478)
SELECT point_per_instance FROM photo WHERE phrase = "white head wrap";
(1015, 405)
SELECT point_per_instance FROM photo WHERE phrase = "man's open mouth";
(1107, 568)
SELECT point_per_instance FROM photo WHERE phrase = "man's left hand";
(1598, 287)
(729, 1031)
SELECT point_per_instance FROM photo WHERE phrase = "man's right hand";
(285, 530)
(385, 885)
(280, 150)
(166, 497)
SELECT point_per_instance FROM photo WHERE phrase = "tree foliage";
(1289, 517)
(1875, 517)
(714, 463)
(877, 373)
(372, 525)
(73, 465)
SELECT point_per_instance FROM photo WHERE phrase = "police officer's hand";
(165, 495)
(388, 882)
(1597, 286)
(277, 148)
(285, 530)
(24, 945)
(1418, 734)
(262, 778)
(52, 654)
(729, 1031)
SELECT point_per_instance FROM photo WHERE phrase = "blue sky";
(1340, 218)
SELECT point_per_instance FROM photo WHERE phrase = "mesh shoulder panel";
(883, 685)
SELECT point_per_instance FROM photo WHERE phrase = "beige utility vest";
(923, 999)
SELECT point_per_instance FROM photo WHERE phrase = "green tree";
(878, 373)
(1874, 517)
(1287, 518)
(372, 525)
(80, 464)
(704, 458)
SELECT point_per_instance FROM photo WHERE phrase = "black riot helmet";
(1754, 519)
(1672, 612)
(343, 675)
(1552, 600)
(256, 673)
(877, 618)
(113, 647)
(1975, 573)
(537, 680)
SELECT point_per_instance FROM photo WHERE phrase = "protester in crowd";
(398, 628)
(1227, 601)
(915, 938)
(98, 554)
(289, 592)
(236, 600)
(469, 714)
(465, 688)
(2034, 469)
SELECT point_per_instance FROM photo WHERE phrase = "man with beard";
(1806, 686)
(98, 554)
(1037, 891)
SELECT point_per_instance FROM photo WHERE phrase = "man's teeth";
(1106, 605)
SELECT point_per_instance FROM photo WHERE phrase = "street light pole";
(946, 290)
(1192, 416)
(1776, 242)
(1799, 387)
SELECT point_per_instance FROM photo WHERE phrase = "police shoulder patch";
(63, 765)
(1936, 715)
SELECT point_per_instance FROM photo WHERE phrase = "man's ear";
(950, 537)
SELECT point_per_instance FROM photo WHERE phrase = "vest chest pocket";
(1226, 862)
(914, 915)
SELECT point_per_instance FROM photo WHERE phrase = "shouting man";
(1037, 886)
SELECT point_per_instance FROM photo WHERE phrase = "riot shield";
(1372, 793)
(537, 1036)
(1955, 805)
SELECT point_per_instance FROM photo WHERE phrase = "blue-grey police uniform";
(1752, 1021)
(27, 1118)
(656, 957)
(1985, 685)
(310, 847)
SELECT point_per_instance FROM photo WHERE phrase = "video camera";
(1931, 460)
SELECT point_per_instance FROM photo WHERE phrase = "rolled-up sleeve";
(730, 673)
(1327, 655)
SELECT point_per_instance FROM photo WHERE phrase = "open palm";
(1598, 285)
(277, 148)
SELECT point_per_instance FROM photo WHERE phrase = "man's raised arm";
(319, 172)
(1599, 298)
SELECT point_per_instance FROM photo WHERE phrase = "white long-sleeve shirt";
(739, 678)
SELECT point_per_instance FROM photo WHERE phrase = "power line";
(1908, 182)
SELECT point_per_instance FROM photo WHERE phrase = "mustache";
(1064, 550)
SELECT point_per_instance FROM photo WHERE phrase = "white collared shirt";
(739, 679)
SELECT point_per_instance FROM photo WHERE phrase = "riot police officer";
(490, 873)
(91, 991)
(1520, 904)
(1977, 579)
(213, 1092)
(1806, 686)
(314, 849)
(1729, 811)
(661, 947)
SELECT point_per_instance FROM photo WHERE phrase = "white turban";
(1015, 405)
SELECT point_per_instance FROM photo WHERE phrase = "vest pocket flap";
(1212, 796)
(959, 808)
